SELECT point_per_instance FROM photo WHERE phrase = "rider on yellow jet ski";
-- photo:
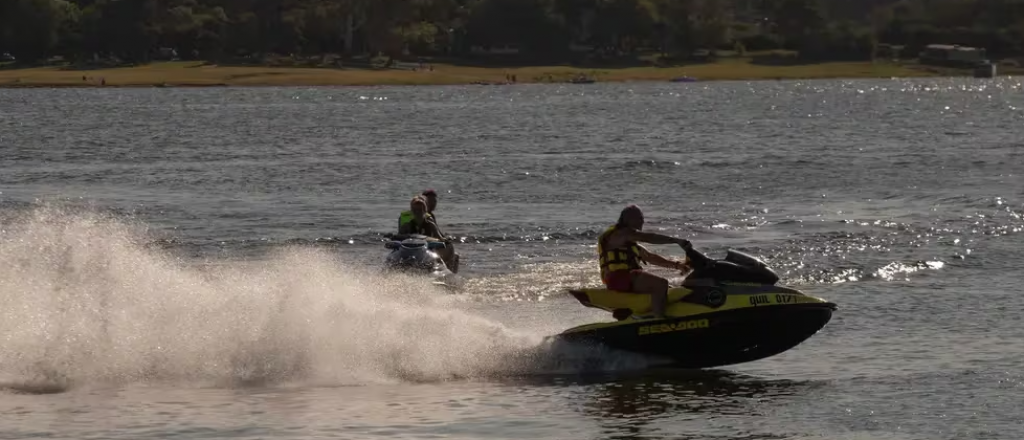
(620, 257)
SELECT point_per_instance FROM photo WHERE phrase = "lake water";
(183, 263)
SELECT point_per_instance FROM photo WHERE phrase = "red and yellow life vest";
(611, 260)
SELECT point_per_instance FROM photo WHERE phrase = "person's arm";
(658, 260)
(432, 230)
(647, 237)
(437, 225)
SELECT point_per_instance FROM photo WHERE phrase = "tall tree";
(32, 28)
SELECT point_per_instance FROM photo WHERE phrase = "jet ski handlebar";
(736, 266)
(430, 243)
(695, 259)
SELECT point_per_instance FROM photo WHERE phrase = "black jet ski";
(725, 312)
(414, 254)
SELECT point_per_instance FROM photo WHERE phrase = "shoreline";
(199, 75)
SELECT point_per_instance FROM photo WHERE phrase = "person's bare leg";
(655, 286)
(447, 255)
(453, 262)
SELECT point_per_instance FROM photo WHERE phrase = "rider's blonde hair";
(418, 200)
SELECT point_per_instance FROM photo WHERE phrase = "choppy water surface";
(199, 263)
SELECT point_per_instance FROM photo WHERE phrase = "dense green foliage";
(547, 30)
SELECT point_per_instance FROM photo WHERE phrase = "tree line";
(538, 30)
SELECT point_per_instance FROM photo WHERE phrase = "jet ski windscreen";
(743, 259)
(736, 267)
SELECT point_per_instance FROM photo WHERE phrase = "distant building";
(167, 54)
(506, 49)
(952, 55)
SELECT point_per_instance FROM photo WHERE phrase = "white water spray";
(84, 299)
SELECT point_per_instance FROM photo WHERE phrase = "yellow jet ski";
(725, 312)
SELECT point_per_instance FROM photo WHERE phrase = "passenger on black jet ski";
(431, 198)
(423, 225)
(620, 258)
(419, 221)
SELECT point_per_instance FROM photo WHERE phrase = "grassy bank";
(197, 74)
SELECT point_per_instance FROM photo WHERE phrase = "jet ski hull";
(712, 339)
(414, 255)
(709, 327)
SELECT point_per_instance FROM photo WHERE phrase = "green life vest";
(407, 217)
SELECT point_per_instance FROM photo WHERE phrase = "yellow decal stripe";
(674, 327)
